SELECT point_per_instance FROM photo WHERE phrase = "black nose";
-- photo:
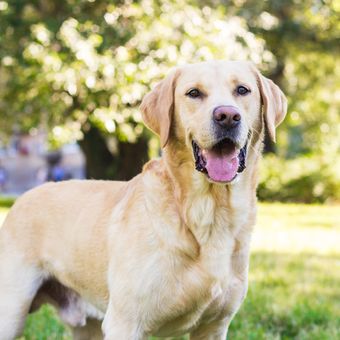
(227, 116)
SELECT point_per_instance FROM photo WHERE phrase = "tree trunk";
(102, 164)
(130, 159)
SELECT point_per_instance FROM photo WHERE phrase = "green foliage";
(306, 179)
(303, 36)
(72, 65)
(83, 63)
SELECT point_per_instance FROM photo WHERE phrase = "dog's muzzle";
(221, 163)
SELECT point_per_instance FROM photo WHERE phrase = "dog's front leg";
(117, 326)
(215, 330)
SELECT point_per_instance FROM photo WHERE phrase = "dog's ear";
(158, 106)
(274, 103)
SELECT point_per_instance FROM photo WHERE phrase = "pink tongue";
(221, 164)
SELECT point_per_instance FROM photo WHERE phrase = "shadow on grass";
(289, 297)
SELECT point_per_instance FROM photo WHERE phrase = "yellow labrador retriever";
(166, 253)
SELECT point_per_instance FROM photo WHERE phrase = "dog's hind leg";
(19, 282)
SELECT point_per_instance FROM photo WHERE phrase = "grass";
(6, 201)
(294, 280)
(290, 297)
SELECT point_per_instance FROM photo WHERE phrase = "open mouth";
(222, 162)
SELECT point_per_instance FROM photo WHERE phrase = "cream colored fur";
(163, 254)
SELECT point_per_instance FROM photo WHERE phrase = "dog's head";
(213, 108)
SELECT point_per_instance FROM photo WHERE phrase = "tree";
(82, 68)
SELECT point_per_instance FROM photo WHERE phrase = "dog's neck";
(208, 209)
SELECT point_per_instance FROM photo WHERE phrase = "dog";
(167, 252)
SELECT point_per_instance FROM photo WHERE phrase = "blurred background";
(72, 76)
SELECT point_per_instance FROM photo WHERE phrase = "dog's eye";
(194, 93)
(242, 90)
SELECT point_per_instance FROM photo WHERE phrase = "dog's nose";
(227, 116)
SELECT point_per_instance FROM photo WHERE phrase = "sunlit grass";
(297, 228)
(298, 215)
(294, 280)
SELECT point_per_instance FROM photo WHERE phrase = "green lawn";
(294, 288)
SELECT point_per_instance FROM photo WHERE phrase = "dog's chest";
(212, 285)
(207, 290)
(189, 286)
